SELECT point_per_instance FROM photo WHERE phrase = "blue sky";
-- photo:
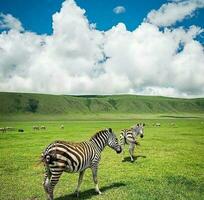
(147, 47)
(36, 15)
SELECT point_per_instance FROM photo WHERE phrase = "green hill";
(20, 103)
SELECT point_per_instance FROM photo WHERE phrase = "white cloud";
(10, 22)
(149, 58)
(119, 10)
(169, 13)
(78, 59)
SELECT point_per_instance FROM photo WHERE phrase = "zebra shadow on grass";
(127, 159)
(89, 193)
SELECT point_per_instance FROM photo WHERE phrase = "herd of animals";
(5, 129)
(44, 127)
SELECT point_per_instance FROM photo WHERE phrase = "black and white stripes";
(62, 156)
(128, 136)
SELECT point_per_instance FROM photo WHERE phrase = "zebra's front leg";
(81, 175)
(95, 179)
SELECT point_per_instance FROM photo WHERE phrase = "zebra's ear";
(143, 124)
(137, 124)
(110, 130)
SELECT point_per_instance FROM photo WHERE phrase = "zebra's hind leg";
(81, 175)
(131, 156)
(50, 181)
(95, 179)
(131, 151)
(123, 154)
(47, 181)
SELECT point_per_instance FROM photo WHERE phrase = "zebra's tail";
(40, 160)
(46, 158)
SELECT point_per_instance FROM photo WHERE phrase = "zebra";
(128, 136)
(3, 130)
(43, 127)
(157, 124)
(62, 156)
(36, 128)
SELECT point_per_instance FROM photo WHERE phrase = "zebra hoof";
(77, 194)
(50, 197)
(99, 192)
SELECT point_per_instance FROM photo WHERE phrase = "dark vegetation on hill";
(18, 103)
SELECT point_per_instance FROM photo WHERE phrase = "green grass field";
(169, 163)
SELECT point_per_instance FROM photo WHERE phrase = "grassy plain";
(168, 165)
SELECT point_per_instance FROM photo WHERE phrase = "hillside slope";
(65, 104)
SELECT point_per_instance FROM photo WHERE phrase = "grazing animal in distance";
(36, 128)
(128, 136)
(10, 129)
(62, 126)
(3, 130)
(20, 130)
(157, 124)
(62, 156)
(43, 128)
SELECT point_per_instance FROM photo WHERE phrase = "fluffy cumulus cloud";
(119, 10)
(79, 59)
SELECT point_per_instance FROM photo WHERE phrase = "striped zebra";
(62, 156)
(128, 136)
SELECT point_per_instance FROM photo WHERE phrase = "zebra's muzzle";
(119, 150)
(141, 135)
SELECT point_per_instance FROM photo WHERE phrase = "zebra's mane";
(76, 143)
(99, 133)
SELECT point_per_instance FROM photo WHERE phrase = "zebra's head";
(139, 129)
(113, 141)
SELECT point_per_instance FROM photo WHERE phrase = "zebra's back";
(127, 136)
(68, 156)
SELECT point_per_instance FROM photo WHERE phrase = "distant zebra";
(3, 130)
(10, 129)
(157, 124)
(43, 128)
(36, 128)
(128, 136)
(61, 156)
